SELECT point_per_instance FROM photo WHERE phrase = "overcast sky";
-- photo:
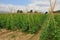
(39, 5)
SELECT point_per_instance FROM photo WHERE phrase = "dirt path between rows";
(18, 35)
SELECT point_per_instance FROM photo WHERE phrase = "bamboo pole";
(52, 6)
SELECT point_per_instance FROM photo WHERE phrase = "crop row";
(51, 28)
(30, 23)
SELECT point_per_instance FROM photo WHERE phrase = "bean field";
(32, 23)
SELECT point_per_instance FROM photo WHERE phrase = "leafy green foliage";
(44, 33)
(25, 22)
(57, 29)
(51, 29)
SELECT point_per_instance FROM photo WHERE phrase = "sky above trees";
(39, 5)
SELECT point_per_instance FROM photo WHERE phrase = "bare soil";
(17, 35)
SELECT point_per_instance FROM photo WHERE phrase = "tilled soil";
(17, 35)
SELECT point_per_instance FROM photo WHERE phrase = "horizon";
(26, 5)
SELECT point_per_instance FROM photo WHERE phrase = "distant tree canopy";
(58, 11)
(46, 12)
(35, 11)
(19, 11)
(31, 11)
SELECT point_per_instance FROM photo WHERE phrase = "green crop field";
(26, 22)
(31, 23)
(51, 28)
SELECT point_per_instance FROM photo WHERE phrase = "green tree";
(19, 11)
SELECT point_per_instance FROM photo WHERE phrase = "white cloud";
(11, 8)
(43, 5)
(39, 5)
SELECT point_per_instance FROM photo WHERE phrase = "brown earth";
(17, 35)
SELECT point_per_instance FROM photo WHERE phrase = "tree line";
(31, 11)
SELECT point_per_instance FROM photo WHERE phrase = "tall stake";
(52, 6)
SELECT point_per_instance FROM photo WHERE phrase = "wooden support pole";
(52, 6)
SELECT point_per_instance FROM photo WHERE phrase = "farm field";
(29, 27)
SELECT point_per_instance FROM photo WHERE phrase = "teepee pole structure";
(52, 6)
